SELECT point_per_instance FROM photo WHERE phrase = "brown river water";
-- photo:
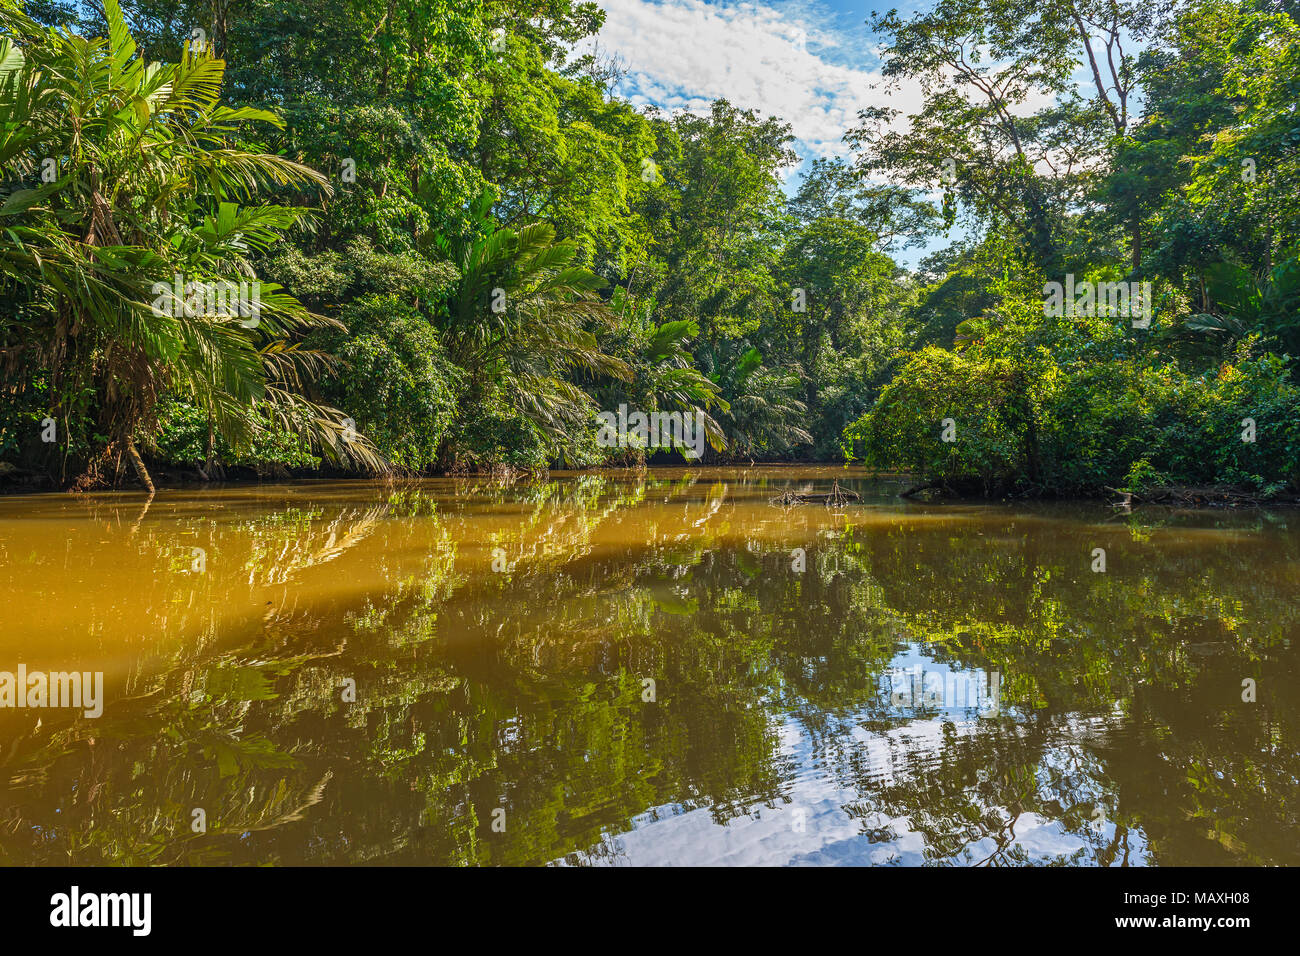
(663, 669)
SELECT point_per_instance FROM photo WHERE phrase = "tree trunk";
(212, 446)
(220, 26)
(140, 470)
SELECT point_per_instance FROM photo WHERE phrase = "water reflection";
(888, 683)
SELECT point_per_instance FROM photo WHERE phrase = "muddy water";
(654, 669)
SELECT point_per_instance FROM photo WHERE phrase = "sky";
(802, 60)
(813, 63)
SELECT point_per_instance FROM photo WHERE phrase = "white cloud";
(793, 61)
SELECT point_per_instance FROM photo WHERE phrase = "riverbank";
(1184, 496)
(16, 481)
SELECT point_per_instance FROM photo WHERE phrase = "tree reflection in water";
(776, 734)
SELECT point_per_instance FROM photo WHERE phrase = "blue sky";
(813, 63)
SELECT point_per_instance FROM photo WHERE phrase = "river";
(647, 669)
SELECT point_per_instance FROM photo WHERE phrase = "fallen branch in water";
(1207, 496)
(836, 497)
(912, 492)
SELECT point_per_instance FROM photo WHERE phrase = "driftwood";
(1207, 496)
(913, 492)
(836, 497)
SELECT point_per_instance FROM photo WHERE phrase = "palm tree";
(519, 321)
(667, 380)
(763, 415)
(128, 174)
(1242, 304)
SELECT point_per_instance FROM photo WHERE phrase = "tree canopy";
(464, 245)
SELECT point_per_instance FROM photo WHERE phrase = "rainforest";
(463, 245)
(654, 432)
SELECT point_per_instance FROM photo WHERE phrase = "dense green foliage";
(469, 245)
(1195, 195)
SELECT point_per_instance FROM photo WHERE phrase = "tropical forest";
(649, 432)
(466, 245)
